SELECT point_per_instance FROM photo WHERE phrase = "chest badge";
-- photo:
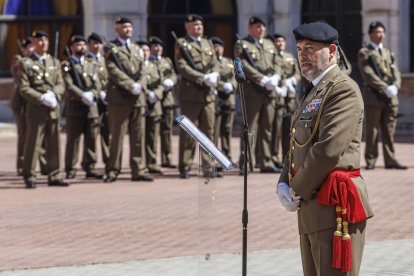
(313, 106)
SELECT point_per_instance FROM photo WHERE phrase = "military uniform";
(81, 118)
(261, 108)
(380, 110)
(285, 106)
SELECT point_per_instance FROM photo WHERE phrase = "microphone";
(238, 71)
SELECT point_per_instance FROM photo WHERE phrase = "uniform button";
(293, 147)
(306, 125)
(293, 130)
(293, 165)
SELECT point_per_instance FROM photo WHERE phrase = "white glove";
(168, 84)
(228, 87)
(391, 91)
(290, 84)
(211, 79)
(102, 96)
(273, 82)
(283, 193)
(264, 81)
(88, 98)
(49, 99)
(215, 92)
(281, 91)
(152, 98)
(136, 89)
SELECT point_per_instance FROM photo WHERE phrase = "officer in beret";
(382, 80)
(321, 178)
(286, 101)
(199, 77)
(41, 84)
(126, 102)
(82, 117)
(169, 81)
(226, 99)
(258, 55)
(94, 54)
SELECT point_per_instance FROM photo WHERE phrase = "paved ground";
(169, 227)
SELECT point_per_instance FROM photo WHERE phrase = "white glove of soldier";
(283, 193)
(152, 98)
(264, 81)
(391, 91)
(228, 87)
(273, 82)
(168, 84)
(102, 96)
(88, 98)
(136, 89)
(211, 79)
(290, 84)
(281, 91)
(49, 99)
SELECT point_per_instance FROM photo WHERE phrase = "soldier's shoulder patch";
(313, 106)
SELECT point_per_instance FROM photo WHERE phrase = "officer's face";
(280, 44)
(314, 57)
(145, 51)
(218, 49)
(41, 45)
(377, 35)
(78, 48)
(156, 49)
(94, 46)
(194, 29)
(124, 31)
(257, 30)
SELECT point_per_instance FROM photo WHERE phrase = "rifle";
(21, 50)
(74, 74)
(186, 55)
(56, 52)
(374, 65)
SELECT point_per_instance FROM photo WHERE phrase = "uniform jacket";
(17, 102)
(166, 68)
(290, 68)
(36, 79)
(102, 76)
(191, 86)
(155, 81)
(375, 86)
(335, 145)
(120, 82)
(88, 73)
(226, 75)
(264, 59)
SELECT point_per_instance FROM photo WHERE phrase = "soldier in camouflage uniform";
(82, 91)
(41, 84)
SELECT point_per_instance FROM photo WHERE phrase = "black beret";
(193, 17)
(95, 37)
(122, 20)
(316, 31)
(256, 19)
(275, 36)
(376, 24)
(156, 40)
(217, 40)
(39, 34)
(26, 42)
(76, 38)
(142, 41)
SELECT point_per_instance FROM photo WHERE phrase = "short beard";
(319, 67)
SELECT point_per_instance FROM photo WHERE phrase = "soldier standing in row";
(82, 91)
(126, 102)
(286, 102)
(226, 103)
(94, 53)
(198, 70)
(41, 84)
(381, 83)
(167, 72)
(258, 56)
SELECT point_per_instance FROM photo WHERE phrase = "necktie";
(126, 46)
(379, 51)
(308, 89)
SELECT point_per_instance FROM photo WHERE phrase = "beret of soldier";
(95, 37)
(193, 17)
(76, 38)
(373, 25)
(26, 42)
(217, 40)
(156, 40)
(276, 36)
(39, 34)
(142, 41)
(122, 20)
(316, 31)
(256, 19)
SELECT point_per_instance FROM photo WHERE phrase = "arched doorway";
(343, 15)
(165, 16)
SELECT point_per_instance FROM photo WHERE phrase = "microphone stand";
(246, 147)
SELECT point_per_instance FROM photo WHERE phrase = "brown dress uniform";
(196, 99)
(226, 106)
(380, 111)
(326, 135)
(166, 69)
(261, 102)
(42, 122)
(285, 106)
(80, 118)
(125, 110)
